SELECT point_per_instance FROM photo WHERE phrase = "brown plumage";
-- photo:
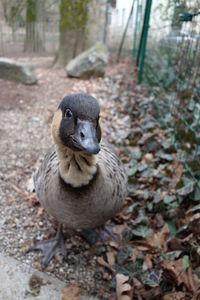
(81, 182)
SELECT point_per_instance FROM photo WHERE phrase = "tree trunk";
(73, 20)
(66, 41)
(40, 8)
(34, 26)
(3, 16)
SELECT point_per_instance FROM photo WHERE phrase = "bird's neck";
(76, 167)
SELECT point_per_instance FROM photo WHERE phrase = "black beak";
(85, 137)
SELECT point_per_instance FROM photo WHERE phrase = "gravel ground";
(25, 117)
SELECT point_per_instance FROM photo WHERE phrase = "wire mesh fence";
(172, 74)
(105, 24)
(43, 36)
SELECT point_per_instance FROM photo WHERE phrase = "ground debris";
(123, 289)
(156, 243)
(35, 283)
(71, 292)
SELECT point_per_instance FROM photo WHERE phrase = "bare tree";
(13, 11)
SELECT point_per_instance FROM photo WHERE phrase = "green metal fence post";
(106, 22)
(145, 36)
(135, 31)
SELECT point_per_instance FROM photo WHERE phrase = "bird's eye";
(68, 113)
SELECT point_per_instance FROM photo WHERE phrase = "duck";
(81, 182)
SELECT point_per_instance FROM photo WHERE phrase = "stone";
(16, 282)
(17, 71)
(92, 62)
(20, 281)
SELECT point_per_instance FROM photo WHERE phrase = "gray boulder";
(89, 63)
(16, 71)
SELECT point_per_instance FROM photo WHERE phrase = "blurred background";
(149, 91)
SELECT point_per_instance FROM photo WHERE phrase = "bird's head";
(76, 123)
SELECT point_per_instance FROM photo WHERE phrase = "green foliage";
(179, 7)
(73, 14)
(171, 11)
(185, 262)
(172, 75)
(30, 11)
(142, 231)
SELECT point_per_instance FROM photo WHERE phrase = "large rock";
(20, 281)
(89, 63)
(16, 71)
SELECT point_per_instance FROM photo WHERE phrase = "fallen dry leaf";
(174, 296)
(114, 245)
(123, 215)
(177, 174)
(40, 211)
(111, 258)
(33, 200)
(153, 293)
(123, 289)
(147, 264)
(118, 230)
(103, 263)
(195, 217)
(71, 292)
(181, 276)
(137, 284)
(189, 238)
(196, 296)
(148, 157)
(159, 239)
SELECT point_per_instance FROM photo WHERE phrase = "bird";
(81, 182)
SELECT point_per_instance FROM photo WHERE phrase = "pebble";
(148, 157)
(19, 164)
(35, 119)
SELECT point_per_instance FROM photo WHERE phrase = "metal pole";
(135, 32)
(145, 36)
(125, 31)
(106, 22)
(142, 37)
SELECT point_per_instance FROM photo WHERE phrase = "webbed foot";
(51, 247)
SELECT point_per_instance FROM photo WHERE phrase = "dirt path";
(25, 116)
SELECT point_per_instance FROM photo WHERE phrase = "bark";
(73, 21)
(34, 26)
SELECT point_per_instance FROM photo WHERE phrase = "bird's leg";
(51, 247)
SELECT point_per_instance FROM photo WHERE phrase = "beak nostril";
(82, 135)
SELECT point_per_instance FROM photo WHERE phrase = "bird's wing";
(46, 167)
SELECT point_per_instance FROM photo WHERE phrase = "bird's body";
(81, 182)
(87, 206)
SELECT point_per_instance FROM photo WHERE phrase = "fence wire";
(109, 31)
(172, 74)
